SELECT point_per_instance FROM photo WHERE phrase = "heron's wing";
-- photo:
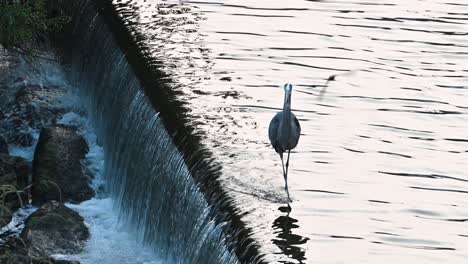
(273, 129)
(295, 132)
(296, 121)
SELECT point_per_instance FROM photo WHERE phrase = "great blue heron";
(284, 132)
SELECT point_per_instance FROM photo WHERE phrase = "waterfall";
(146, 174)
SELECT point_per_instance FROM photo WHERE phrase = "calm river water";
(381, 171)
(380, 174)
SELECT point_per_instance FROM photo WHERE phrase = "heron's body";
(282, 136)
(284, 132)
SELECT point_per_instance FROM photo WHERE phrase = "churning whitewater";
(110, 239)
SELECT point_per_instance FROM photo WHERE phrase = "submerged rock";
(14, 175)
(57, 169)
(54, 229)
(32, 107)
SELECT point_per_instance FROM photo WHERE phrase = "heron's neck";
(286, 124)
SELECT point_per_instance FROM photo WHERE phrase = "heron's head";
(287, 95)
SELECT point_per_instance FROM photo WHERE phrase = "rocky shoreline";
(29, 114)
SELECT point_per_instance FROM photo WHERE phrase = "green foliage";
(26, 22)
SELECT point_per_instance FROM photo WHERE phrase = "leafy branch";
(26, 22)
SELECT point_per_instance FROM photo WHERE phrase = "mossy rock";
(57, 169)
(54, 229)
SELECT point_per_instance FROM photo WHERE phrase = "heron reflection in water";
(288, 242)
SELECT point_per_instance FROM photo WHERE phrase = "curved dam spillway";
(164, 183)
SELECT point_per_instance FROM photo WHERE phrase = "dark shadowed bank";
(106, 55)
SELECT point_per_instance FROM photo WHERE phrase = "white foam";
(95, 157)
(109, 243)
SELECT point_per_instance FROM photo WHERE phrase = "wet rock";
(15, 251)
(54, 229)
(14, 175)
(3, 145)
(57, 169)
(32, 107)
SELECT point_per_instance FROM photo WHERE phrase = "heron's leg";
(282, 164)
(285, 175)
(287, 163)
(286, 178)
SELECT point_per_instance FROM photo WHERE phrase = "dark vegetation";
(26, 23)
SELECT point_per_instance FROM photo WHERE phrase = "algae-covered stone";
(57, 169)
(54, 229)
